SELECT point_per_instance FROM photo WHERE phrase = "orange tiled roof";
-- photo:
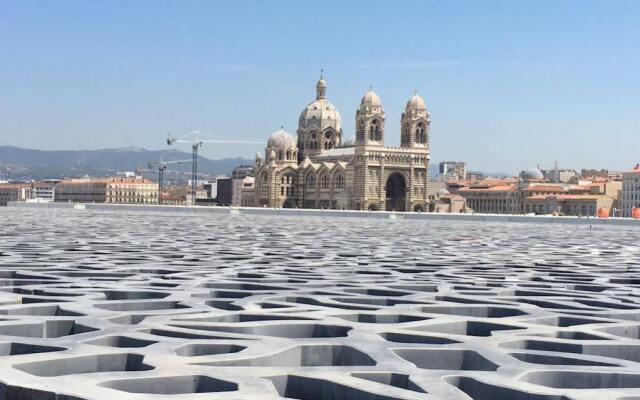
(488, 189)
(566, 197)
(544, 188)
(485, 182)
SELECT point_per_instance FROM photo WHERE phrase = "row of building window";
(324, 182)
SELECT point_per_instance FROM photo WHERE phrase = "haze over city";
(509, 85)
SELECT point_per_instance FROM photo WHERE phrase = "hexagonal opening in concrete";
(382, 318)
(477, 311)
(306, 356)
(85, 365)
(401, 381)
(121, 341)
(47, 329)
(230, 318)
(305, 388)
(278, 330)
(50, 310)
(129, 319)
(545, 359)
(207, 349)
(447, 359)
(582, 380)
(223, 305)
(468, 328)
(184, 335)
(398, 337)
(478, 390)
(542, 345)
(14, 349)
(172, 385)
(566, 321)
(141, 305)
(133, 295)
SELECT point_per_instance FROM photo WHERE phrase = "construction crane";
(162, 166)
(196, 139)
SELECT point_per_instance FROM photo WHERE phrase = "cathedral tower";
(415, 123)
(370, 120)
(319, 126)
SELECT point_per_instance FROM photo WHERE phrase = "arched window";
(361, 131)
(311, 181)
(373, 131)
(324, 181)
(288, 155)
(421, 134)
(339, 181)
(288, 184)
(405, 134)
(264, 187)
(280, 155)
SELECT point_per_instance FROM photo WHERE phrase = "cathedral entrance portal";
(396, 190)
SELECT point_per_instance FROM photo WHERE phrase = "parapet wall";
(337, 213)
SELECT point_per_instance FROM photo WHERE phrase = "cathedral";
(319, 169)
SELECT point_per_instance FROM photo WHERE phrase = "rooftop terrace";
(138, 304)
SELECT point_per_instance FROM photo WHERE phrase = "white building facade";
(630, 195)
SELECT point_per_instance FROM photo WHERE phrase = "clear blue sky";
(509, 84)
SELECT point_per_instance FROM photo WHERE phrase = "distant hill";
(20, 163)
(24, 164)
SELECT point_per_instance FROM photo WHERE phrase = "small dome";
(531, 174)
(281, 140)
(350, 141)
(443, 192)
(321, 89)
(416, 103)
(371, 99)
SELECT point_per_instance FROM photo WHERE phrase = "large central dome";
(320, 113)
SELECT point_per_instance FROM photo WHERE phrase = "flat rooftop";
(132, 304)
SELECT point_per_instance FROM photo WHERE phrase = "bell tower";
(370, 120)
(414, 124)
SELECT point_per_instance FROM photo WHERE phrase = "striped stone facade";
(319, 170)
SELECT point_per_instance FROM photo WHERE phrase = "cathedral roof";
(416, 103)
(320, 113)
(281, 140)
(371, 99)
(337, 152)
